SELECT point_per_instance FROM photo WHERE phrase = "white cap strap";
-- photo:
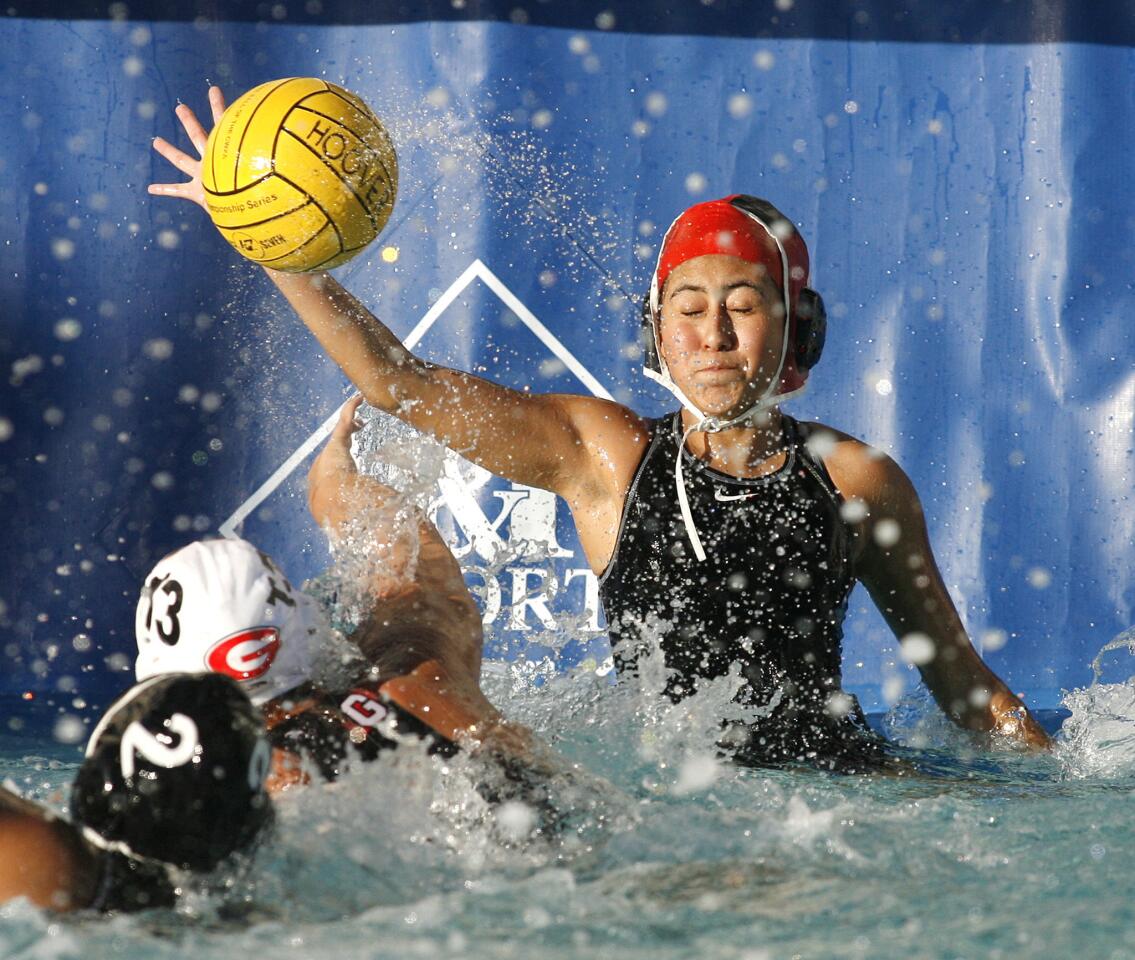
(712, 425)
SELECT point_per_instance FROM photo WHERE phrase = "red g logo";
(364, 710)
(245, 655)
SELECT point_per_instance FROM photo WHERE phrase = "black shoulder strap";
(814, 464)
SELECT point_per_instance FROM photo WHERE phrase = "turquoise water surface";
(665, 851)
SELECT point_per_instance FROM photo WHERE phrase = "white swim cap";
(222, 606)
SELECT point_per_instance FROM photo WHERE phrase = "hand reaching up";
(190, 166)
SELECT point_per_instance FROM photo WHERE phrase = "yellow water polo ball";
(299, 175)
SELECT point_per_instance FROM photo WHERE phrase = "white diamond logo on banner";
(475, 271)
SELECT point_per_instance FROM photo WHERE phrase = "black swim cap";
(175, 771)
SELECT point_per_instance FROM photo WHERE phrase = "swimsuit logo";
(726, 497)
(245, 655)
(364, 710)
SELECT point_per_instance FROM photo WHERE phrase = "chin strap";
(708, 424)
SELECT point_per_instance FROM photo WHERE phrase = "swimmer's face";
(722, 329)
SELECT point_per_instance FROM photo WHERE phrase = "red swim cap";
(718, 227)
(749, 228)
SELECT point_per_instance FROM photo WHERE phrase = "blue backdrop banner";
(957, 171)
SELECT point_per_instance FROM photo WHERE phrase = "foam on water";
(1099, 737)
(1004, 854)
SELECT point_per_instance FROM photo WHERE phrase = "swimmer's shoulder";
(858, 470)
(613, 438)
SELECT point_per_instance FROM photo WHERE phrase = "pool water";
(665, 851)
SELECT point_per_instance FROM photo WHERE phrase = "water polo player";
(172, 783)
(412, 669)
(733, 531)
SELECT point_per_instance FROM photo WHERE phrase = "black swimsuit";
(336, 728)
(332, 730)
(771, 595)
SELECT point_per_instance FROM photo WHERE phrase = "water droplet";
(68, 329)
(656, 104)
(69, 729)
(917, 649)
(887, 533)
(695, 775)
(695, 183)
(839, 704)
(516, 820)
(994, 639)
(764, 60)
(739, 105)
(62, 248)
(158, 349)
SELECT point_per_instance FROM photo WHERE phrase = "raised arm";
(423, 631)
(897, 565)
(553, 441)
(421, 608)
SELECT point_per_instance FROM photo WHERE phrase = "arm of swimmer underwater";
(287, 771)
(333, 472)
(344, 503)
(419, 601)
(899, 570)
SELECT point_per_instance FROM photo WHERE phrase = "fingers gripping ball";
(299, 175)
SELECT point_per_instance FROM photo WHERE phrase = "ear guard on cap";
(811, 328)
(175, 772)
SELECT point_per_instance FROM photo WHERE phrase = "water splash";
(1099, 738)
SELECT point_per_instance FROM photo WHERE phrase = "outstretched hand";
(190, 166)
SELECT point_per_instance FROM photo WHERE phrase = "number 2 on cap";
(138, 740)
